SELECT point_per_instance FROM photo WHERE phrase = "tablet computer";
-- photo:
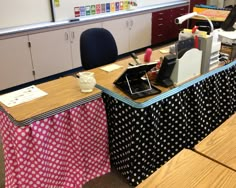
(135, 83)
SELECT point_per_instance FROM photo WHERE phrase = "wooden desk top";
(220, 145)
(212, 14)
(190, 169)
(61, 92)
(106, 79)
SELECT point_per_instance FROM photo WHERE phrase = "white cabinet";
(15, 62)
(140, 32)
(130, 33)
(51, 53)
(56, 51)
(75, 43)
(35, 56)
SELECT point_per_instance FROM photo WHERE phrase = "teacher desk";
(59, 140)
(147, 132)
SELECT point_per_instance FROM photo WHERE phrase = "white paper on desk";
(20, 96)
(111, 67)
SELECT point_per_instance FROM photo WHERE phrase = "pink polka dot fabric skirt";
(63, 150)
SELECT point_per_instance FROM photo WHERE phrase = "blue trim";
(168, 93)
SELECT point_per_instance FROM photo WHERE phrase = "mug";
(87, 81)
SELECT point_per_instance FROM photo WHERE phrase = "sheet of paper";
(20, 96)
(109, 68)
(165, 50)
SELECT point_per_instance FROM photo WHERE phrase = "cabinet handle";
(160, 19)
(127, 23)
(66, 36)
(72, 36)
(131, 23)
(160, 35)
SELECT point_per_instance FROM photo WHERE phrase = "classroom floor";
(110, 180)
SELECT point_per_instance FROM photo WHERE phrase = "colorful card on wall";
(117, 4)
(98, 8)
(113, 8)
(121, 5)
(82, 11)
(77, 11)
(93, 9)
(88, 11)
(125, 5)
(108, 7)
(103, 8)
(57, 3)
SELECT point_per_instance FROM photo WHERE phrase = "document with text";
(22, 95)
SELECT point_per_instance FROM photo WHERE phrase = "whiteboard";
(24, 12)
(65, 9)
(15, 13)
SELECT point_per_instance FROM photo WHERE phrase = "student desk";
(190, 169)
(220, 145)
(59, 140)
(145, 133)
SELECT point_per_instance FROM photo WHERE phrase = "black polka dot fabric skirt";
(141, 140)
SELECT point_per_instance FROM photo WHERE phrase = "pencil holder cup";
(86, 81)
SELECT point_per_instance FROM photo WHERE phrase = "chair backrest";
(97, 47)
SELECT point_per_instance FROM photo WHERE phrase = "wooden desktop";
(190, 169)
(220, 145)
(106, 79)
(61, 92)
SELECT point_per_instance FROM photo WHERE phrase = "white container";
(187, 67)
(86, 81)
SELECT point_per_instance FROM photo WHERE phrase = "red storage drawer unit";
(163, 24)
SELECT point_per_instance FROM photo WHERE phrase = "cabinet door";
(120, 31)
(51, 52)
(75, 34)
(15, 62)
(175, 13)
(161, 26)
(140, 32)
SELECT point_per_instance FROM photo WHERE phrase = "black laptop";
(135, 83)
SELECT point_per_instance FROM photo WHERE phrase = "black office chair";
(97, 47)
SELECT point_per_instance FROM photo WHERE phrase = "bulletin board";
(24, 12)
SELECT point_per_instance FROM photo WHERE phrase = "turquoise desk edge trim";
(165, 94)
(51, 112)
